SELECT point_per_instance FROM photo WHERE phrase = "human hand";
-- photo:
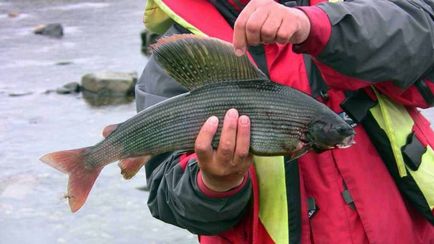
(266, 21)
(224, 168)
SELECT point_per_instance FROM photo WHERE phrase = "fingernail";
(239, 52)
(244, 120)
(232, 113)
(213, 120)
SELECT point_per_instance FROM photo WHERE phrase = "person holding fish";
(255, 159)
(326, 50)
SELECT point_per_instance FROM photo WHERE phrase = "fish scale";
(179, 120)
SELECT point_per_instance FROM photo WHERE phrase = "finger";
(270, 27)
(285, 32)
(243, 139)
(202, 146)
(241, 168)
(109, 129)
(225, 150)
(254, 26)
(239, 38)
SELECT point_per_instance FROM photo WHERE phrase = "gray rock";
(64, 63)
(13, 14)
(52, 30)
(148, 38)
(113, 84)
(72, 87)
(98, 100)
(20, 94)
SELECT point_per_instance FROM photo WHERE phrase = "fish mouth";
(347, 142)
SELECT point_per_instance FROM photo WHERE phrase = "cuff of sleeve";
(214, 194)
(320, 32)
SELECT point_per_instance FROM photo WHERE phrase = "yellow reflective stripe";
(424, 176)
(273, 209)
(155, 19)
(159, 17)
(397, 129)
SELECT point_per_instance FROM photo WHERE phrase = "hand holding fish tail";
(224, 168)
(266, 21)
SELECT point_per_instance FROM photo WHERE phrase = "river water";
(99, 35)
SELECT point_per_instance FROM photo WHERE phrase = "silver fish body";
(284, 121)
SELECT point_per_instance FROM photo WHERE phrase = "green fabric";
(397, 124)
(395, 120)
(273, 210)
(155, 19)
(424, 176)
(158, 18)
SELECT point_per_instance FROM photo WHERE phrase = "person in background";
(335, 51)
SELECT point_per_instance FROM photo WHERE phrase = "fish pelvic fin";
(195, 61)
(81, 179)
(130, 166)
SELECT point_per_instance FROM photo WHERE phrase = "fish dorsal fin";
(195, 61)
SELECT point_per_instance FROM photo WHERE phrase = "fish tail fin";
(81, 179)
(130, 166)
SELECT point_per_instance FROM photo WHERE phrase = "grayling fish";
(284, 121)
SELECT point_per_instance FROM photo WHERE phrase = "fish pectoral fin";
(300, 151)
(130, 166)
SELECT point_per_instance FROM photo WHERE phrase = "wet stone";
(72, 87)
(148, 38)
(64, 63)
(110, 84)
(97, 100)
(13, 14)
(52, 30)
(20, 94)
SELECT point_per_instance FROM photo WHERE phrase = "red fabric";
(276, 56)
(202, 14)
(214, 194)
(184, 158)
(306, 234)
(183, 162)
(338, 80)
(235, 5)
(408, 97)
(320, 31)
(249, 229)
(381, 215)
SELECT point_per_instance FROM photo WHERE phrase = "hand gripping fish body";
(284, 121)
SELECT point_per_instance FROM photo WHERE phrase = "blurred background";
(36, 117)
(45, 44)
